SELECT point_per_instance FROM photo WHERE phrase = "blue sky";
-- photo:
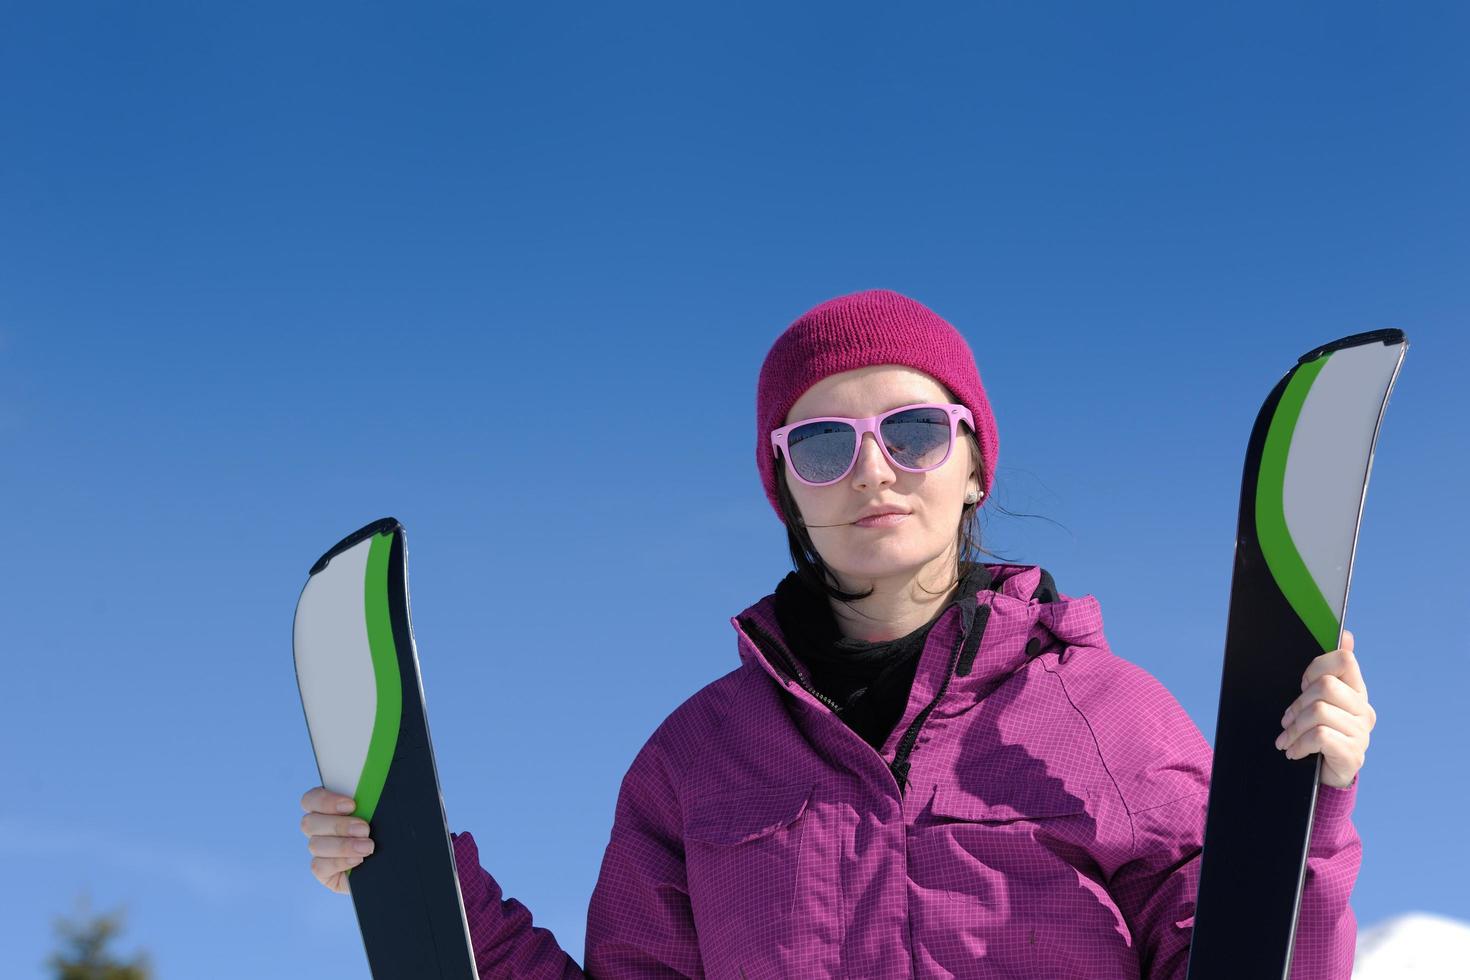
(268, 273)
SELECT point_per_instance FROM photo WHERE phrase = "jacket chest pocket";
(1034, 801)
(1022, 841)
(1009, 862)
(742, 855)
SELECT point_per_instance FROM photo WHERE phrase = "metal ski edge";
(402, 619)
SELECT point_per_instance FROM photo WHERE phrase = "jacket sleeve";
(504, 941)
(1326, 928)
(1156, 889)
(639, 922)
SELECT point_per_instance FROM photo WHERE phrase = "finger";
(1333, 690)
(340, 846)
(327, 825)
(1340, 663)
(1341, 751)
(1318, 714)
(323, 800)
(324, 867)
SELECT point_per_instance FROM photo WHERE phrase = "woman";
(924, 765)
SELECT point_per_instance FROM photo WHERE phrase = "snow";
(1414, 946)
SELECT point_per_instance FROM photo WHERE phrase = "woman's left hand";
(1332, 716)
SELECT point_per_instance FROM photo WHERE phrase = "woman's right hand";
(337, 840)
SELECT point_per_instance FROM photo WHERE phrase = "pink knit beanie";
(874, 326)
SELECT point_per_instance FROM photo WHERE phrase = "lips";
(879, 513)
(891, 519)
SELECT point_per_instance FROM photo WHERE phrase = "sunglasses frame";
(955, 413)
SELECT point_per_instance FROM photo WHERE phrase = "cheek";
(813, 506)
(821, 500)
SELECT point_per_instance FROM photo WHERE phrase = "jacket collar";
(808, 625)
(976, 644)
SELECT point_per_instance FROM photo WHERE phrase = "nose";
(868, 457)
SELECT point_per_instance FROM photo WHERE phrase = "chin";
(881, 562)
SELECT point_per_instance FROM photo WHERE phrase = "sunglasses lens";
(820, 451)
(917, 438)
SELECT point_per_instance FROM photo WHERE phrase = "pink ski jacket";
(1038, 811)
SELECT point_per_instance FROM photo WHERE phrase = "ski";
(1301, 504)
(358, 674)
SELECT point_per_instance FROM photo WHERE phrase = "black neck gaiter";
(869, 681)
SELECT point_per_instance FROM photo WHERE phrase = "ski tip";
(1387, 336)
(384, 525)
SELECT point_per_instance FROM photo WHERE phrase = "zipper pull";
(900, 772)
(970, 645)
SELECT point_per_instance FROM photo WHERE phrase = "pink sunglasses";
(914, 438)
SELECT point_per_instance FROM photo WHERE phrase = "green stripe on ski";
(385, 672)
(1288, 569)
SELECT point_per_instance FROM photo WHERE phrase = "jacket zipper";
(966, 644)
(789, 665)
(971, 633)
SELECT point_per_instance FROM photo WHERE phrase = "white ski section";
(1326, 466)
(1414, 946)
(334, 668)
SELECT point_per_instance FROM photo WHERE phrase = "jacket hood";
(982, 639)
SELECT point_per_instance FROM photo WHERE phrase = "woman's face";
(867, 556)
